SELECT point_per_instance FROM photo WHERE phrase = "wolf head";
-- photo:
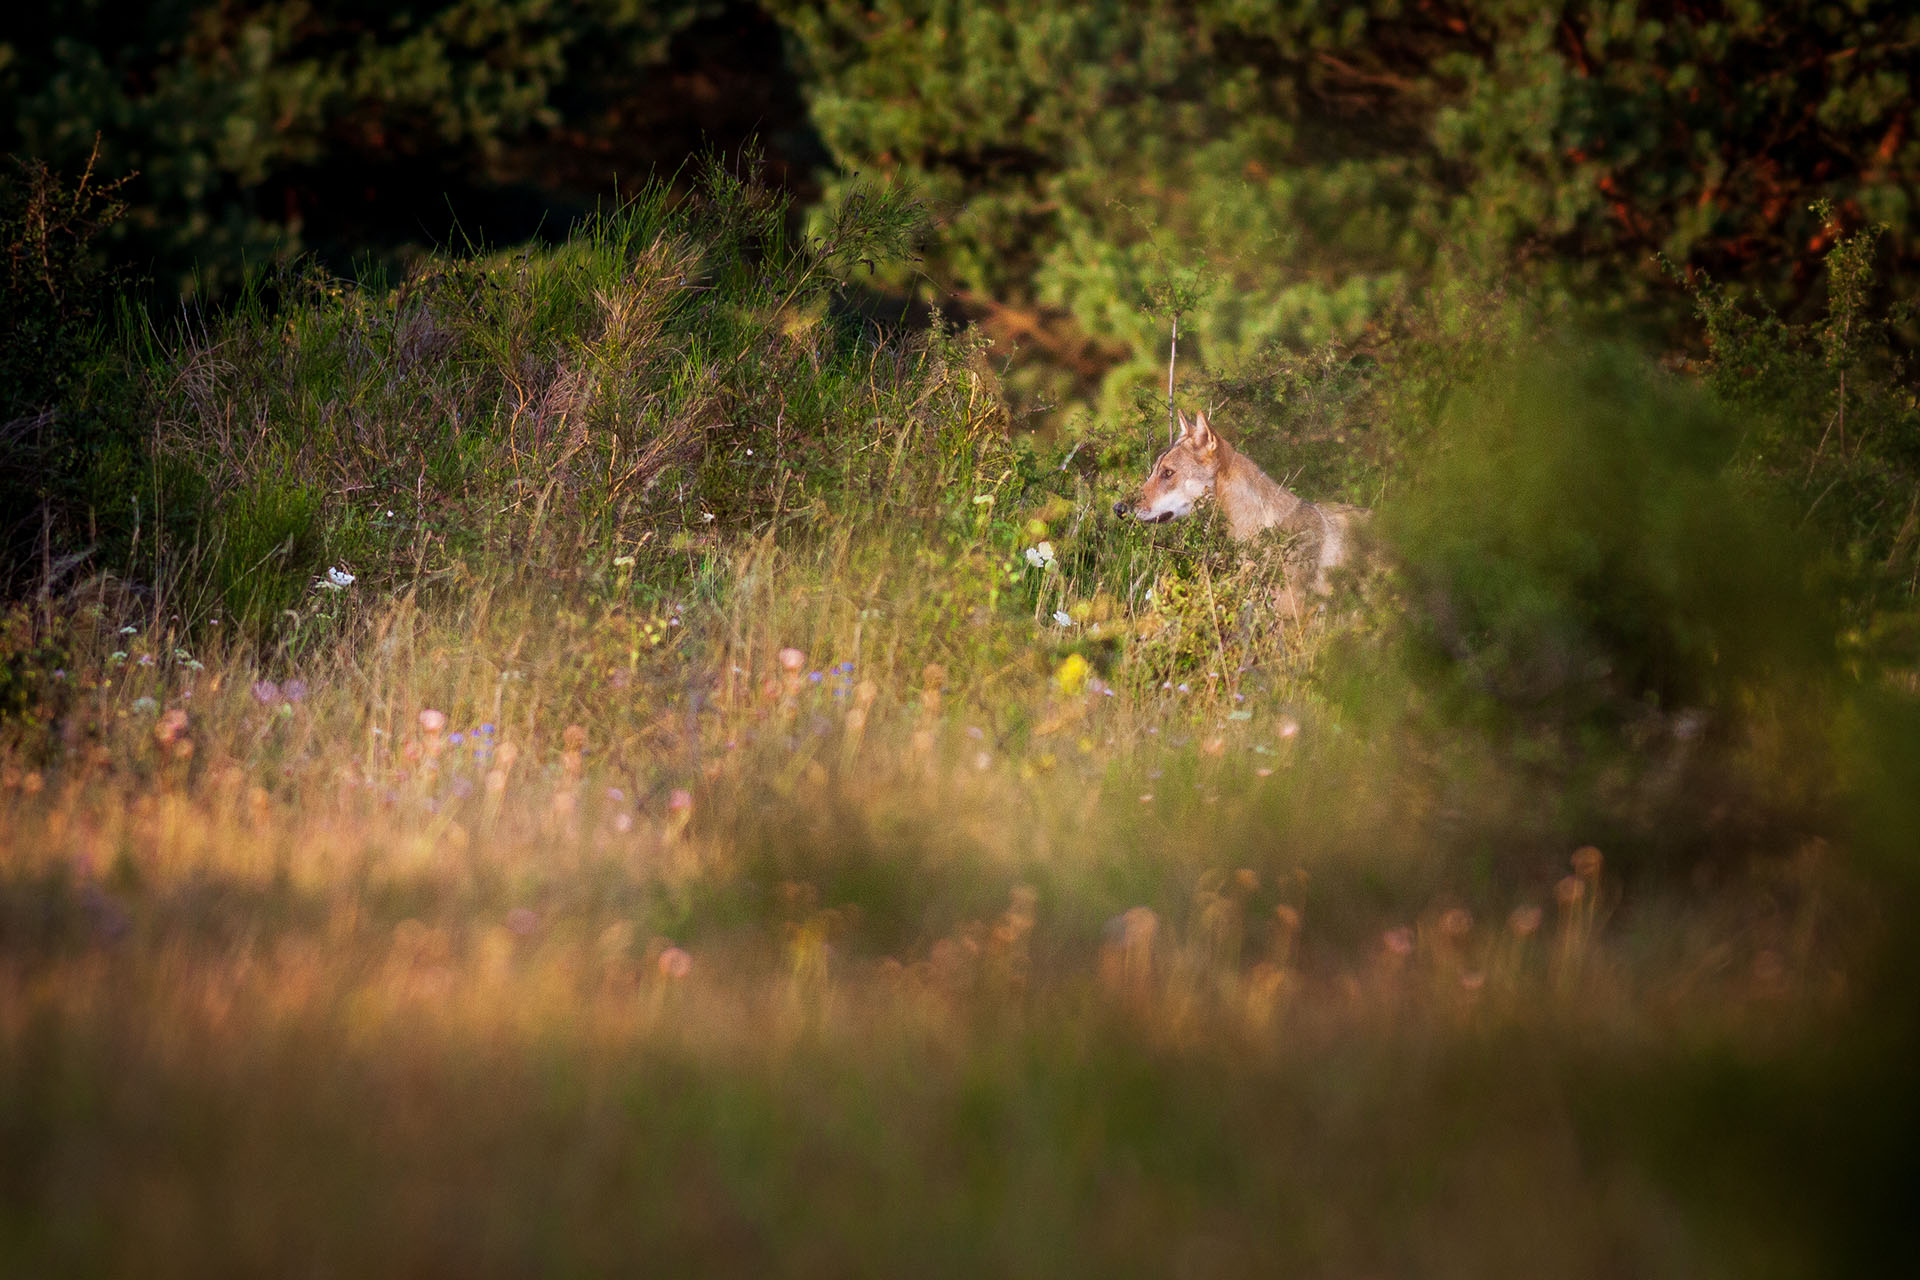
(1180, 477)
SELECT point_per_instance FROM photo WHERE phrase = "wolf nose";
(1120, 508)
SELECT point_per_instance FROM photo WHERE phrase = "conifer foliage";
(1330, 158)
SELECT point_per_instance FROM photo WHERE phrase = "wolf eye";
(1166, 473)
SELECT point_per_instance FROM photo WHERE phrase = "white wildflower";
(1040, 557)
(1062, 617)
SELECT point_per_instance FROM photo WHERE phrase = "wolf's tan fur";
(1200, 463)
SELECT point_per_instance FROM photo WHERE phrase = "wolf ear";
(1202, 433)
(1186, 425)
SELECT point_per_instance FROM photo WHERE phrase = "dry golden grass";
(501, 938)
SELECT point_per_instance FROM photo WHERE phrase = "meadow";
(604, 760)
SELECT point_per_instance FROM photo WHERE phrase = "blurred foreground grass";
(487, 947)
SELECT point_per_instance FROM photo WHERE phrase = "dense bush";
(1829, 414)
(67, 421)
(351, 129)
(54, 296)
(1578, 545)
(1325, 160)
(1602, 620)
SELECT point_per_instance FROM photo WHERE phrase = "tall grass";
(505, 938)
(745, 814)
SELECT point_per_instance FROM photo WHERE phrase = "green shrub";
(63, 401)
(1598, 606)
(1829, 414)
(1327, 162)
(54, 294)
(34, 687)
(270, 127)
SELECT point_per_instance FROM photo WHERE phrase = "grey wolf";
(1321, 535)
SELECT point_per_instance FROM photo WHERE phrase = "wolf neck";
(1250, 499)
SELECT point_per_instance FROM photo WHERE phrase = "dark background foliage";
(352, 129)
(1322, 158)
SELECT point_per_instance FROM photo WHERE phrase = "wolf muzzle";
(1126, 510)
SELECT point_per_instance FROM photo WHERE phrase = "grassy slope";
(596, 886)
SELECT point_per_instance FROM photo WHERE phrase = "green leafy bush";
(1595, 594)
(65, 402)
(1323, 163)
(34, 689)
(261, 126)
(1829, 414)
(54, 294)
